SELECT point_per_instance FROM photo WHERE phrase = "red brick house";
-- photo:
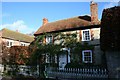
(87, 29)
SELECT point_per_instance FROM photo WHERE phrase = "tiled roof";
(6, 33)
(64, 24)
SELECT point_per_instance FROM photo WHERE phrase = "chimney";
(45, 21)
(94, 12)
(17, 30)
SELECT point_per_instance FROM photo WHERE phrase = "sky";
(26, 17)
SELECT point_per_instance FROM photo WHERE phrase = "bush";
(110, 29)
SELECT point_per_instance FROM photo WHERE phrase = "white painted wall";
(96, 32)
(1, 68)
(15, 43)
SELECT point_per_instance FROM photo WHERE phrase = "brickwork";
(45, 21)
(94, 12)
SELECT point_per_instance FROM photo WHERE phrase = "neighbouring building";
(9, 38)
(87, 29)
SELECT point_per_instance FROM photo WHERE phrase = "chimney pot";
(17, 30)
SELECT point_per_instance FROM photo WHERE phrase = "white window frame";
(55, 58)
(47, 59)
(83, 35)
(9, 43)
(49, 39)
(22, 44)
(83, 56)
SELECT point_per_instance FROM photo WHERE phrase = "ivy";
(68, 40)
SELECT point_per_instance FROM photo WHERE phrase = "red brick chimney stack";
(94, 11)
(45, 21)
(17, 30)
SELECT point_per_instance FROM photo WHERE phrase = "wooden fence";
(77, 73)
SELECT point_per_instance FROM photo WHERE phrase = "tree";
(19, 55)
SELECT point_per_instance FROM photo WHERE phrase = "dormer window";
(86, 36)
(49, 39)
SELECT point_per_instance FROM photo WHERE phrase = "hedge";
(110, 29)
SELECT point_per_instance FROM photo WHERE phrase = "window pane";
(10, 43)
(86, 35)
(7, 43)
(88, 38)
(87, 60)
(49, 39)
(87, 56)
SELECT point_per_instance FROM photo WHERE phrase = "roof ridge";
(16, 32)
(63, 24)
(7, 33)
(69, 18)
